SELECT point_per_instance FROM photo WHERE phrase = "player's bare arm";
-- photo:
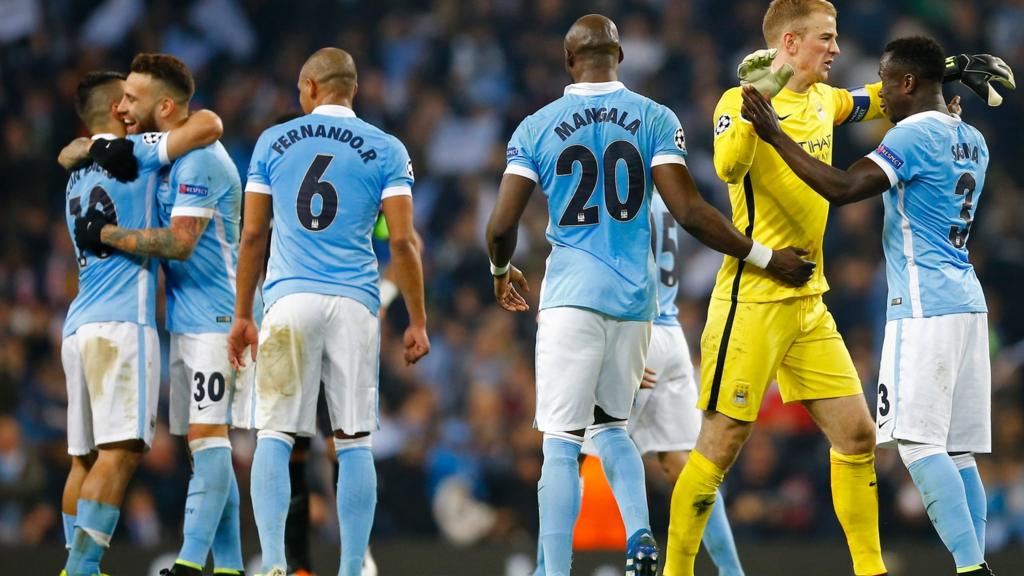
(175, 242)
(201, 129)
(252, 248)
(405, 260)
(863, 179)
(502, 235)
(713, 229)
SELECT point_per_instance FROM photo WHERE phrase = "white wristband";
(760, 255)
(496, 271)
(388, 292)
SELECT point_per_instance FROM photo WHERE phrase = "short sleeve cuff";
(161, 150)
(660, 159)
(520, 170)
(391, 191)
(194, 211)
(884, 165)
(257, 187)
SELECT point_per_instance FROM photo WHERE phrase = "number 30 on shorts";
(212, 387)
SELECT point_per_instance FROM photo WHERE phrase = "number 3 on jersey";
(577, 213)
(311, 187)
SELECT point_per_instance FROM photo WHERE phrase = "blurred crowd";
(457, 456)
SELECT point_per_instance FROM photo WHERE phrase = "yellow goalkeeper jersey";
(770, 203)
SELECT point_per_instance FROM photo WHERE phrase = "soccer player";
(321, 294)
(664, 419)
(791, 329)
(198, 203)
(595, 153)
(759, 329)
(934, 387)
(110, 352)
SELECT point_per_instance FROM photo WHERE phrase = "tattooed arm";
(173, 243)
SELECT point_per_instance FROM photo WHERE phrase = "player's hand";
(954, 106)
(789, 266)
(417, 344)
(649, 380)
(116, 157)
(759, 111)
(507, 287)
(978, 72)
(756, 70)
(87, 232)
(244, 335)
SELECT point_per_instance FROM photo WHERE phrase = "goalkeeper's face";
(813, 50)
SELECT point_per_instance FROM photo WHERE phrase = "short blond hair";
(786, 16)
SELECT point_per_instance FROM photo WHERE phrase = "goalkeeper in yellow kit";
(758, 328)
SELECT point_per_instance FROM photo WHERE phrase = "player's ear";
(355, 89)
(620, 55)
(570, 60)
(909, 83)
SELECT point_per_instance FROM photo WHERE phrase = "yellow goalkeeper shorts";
(747, 344)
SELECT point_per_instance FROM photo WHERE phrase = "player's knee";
(344, 441)
(672, 464)
(199, 431)
(911, 452)
(859, 439)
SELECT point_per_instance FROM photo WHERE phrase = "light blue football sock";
(539, 571)
(271, 491)
(357, 500)
(207, 493)
(942, 490)
(558, 496)
(227, 540)
(719, 543)
(94, 528)
(977, 503)
(625, 473)
(69, 529)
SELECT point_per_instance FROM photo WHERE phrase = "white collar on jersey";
(593, 88)
(104, 136)
(940, 116)
(334, 110)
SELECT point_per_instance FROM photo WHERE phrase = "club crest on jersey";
(151, 138)
(724, 121)
(680, 139)
(193, 190)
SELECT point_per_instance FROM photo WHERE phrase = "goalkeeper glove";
(756, 69)
(978, 72)
(87, 232)
(116, 157)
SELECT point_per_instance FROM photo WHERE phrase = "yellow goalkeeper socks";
(692, 500)
(855, 498)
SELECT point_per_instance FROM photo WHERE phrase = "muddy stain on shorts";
(99, 357)
(279, 369)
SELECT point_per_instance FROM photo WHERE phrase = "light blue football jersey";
(327, 172)
(119, 287)
(936, 165)
(201, 289)
(668, 259)
(592, 151)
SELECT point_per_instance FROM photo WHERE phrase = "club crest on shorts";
(739, 397)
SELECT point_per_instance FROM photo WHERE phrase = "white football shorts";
(935, 383)
(113, 380)
(205, 389)
(584, 360)
(306, 338)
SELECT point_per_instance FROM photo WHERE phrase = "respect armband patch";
(889, 156)
(193, 190)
